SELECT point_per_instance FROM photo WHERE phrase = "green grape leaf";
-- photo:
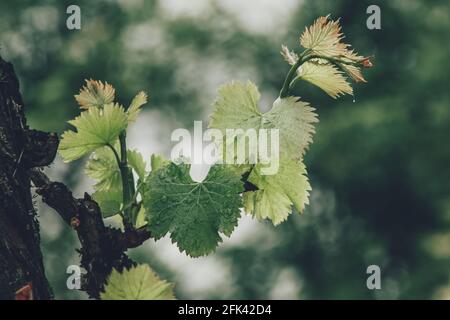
(95, 128)
(135, 107)
(193, 212)
(136, 161)
(277, 193)
(237, 108)
(137, 283)
(295, 119)
(95, 94)
(110, 201)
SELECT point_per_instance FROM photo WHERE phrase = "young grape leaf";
(157, 162)
(110, 201)
(136, 161)
(193, 212)
(326, 76)
(141, 218)
(277, 193)
(102, 167)
(95, 128)
(289, 56)
(95, 94)
(135, 106)
(236, 108)
(324, 38)
(138, 283)
(353, 72)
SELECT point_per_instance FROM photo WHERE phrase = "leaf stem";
(116, 155)
(336, 61)
(292, 74)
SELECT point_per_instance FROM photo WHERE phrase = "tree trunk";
(22, 273)
(22, 152)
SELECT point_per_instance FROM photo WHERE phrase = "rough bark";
(22, 151)
(102, 248)
(21, 267)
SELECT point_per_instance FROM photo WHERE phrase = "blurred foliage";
(379, 164)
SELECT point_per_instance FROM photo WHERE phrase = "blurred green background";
(379, 166)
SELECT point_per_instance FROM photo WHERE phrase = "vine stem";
(128, 190)
(127, 223)
(127, 182)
